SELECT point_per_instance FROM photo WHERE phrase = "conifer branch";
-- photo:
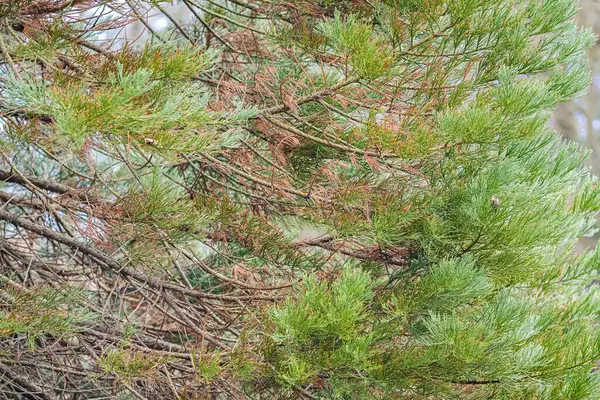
(164, 203)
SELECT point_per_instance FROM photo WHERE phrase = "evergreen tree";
(315, 199)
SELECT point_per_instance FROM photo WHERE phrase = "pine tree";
(288, 200)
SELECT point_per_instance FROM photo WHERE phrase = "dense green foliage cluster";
(306, 199)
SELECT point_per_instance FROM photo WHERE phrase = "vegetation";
(289, 200)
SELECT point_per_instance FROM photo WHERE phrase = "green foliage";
(58, 313)
(172, 62)
(324, 329)
(352, 200)
(368, 56)
(128, 365)
(207, 366)
(148, 102)
(158, 205)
